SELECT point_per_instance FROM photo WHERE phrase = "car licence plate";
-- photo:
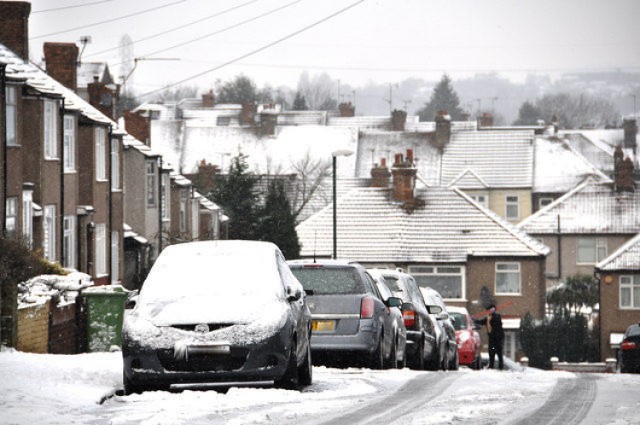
(322, 325)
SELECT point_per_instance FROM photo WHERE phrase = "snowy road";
(48, 389)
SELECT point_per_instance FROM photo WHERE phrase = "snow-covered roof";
(129, 141)
(34, 77)
(88, 70)
(502, 159)
(449, 227)
(558, 167)
(590, 208)
(598, 146)
(627, 257)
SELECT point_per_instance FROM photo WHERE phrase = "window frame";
(11, 115)
(100, 241)
(484, 203)
(165, 196)
(546, 199)
(512, 203)
(50, 129)
(100, 143)
(69, 242)
(115, 256)
(633, 285)
(69, 145)
(415, 272)
(114, 152)
(501, 272)
(598, 243)
(11, 213)
(152, 190)
(27, 216)
(184, 210)
(49, 232)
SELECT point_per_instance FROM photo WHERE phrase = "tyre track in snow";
(568, 403)
(390, 409)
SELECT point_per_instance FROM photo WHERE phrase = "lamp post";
(335, 154)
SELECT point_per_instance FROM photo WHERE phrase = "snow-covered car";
(421, 334)
(469, 342)
(396, 322)
(348, 314)
(447, 344)
(630, 350)
(217, 312)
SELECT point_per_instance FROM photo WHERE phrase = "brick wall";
(14, 26)
(33, 328)
(62, 63)
(62, 330)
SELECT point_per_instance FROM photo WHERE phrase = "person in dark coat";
(493, 321)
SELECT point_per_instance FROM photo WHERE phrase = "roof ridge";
(617, 253)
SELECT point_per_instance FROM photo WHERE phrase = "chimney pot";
(410, 156)
(383, 162)
(398, 120)
(443, 129)
(404, 179)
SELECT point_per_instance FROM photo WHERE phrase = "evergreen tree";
(528, 114)
(299, 103)
(443, 98)
(277, 223)
(236, 194)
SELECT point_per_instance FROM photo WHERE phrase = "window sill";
(116, 190)
(629, 308)
(508, 294)
(13, 146)
(52, 159)
(71, 171)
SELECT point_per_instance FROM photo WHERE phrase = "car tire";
(290, 379)
(392, 361)
(455, 362)
(305, 371)
(131, 388)
(418, 363)
(444, 365)
(376, 361)
(401, 364)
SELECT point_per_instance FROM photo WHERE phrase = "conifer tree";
(299, 103)
(443, 98)
(277, 223)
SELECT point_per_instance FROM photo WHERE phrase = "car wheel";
(445, 360)
(401, 364)
(305, 371)
(393, 355)
(418, 363)
(455, 362)
(290, 379)
(377, 361)
(132, 388)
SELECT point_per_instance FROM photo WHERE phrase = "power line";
(108, 20)
(175, 28)
(70, 7)
(293, 34)
(216, 32)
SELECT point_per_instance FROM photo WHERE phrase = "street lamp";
(335, 154)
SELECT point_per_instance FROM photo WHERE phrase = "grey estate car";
(349, 319)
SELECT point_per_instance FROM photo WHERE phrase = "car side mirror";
(132, 299)
(434, 309)
(308, 292)
(293, 293)
(394, 302)
(406, 306)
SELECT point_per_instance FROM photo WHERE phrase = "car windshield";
(328, 280)
(634, 331)
(459, 321)
(392, 283)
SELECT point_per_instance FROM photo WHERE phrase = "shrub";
(19, 263)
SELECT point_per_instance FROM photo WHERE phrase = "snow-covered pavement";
(79, 389)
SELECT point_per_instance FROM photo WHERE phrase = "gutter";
(61, 111)
(3, 199)
(160, 203)
(110, 204)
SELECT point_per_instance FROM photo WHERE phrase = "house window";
(591, 250)
(101, 153)
(49, 230)
(115, 257)
(101, 249)
(630, 291)
(184, 199)
(543, 202)
(50, 129)
(449, 281)
(166, 204)
(11, 118)
(507, 278)
(27, 216)
(69, 152)
(480, 199)
(115, 165)
(512, 209)
(195, 218)
(11, 214)
(223, 121)
(69, 242)
(151, 183)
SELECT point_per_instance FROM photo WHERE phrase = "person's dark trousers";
(494, 349)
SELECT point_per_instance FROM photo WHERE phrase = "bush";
(19, 263)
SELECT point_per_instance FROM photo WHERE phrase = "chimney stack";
(14, 27)
(443, 129)
(630, 132)
(380, 174)
(398, 120)
(248, 114)
(103, 98)
(347, 110)
(138, 126)
(268, 121)
(208, 100)
(623, 172)
(62, 63)
(486, 119)
(404, 179)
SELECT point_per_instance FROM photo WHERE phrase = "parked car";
(349, 317)
(630, 350)
(217, 312)
(421, 333)
(469, 342)
(447, 344)
(396, 321)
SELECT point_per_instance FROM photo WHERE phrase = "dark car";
(448, 345)
(217, 312)
(630, 350)
(421, 335)
(348, 314)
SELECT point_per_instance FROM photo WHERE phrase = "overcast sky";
(375, 40)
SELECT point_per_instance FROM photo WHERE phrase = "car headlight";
(464, 336)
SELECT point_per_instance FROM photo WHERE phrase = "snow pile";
(62, 289)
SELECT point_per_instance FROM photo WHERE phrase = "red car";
(467, 337)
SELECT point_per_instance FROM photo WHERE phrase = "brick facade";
(33, 328)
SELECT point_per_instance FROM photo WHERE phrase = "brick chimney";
(103, 98)
(630, 132)
(443, 129)
(268, 121)
(347, 110)
(623, 172)
(248, 114)
(486, 119)
(380, 174)
(138, 126)
(398, 120)
(404, 178)
(62, 63)
(208, 100)
(14, 27)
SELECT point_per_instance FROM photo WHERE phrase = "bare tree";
(317, 91)
(311, 173)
